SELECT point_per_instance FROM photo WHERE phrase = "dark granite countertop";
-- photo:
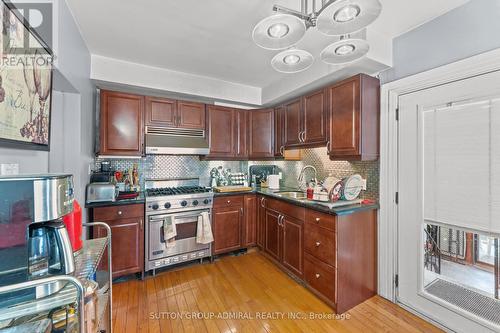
(139, 200)
(342, 210)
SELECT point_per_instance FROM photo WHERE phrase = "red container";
(73, 222)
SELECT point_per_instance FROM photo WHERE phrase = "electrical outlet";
(280, 175)
(364, 184)
(8, 169)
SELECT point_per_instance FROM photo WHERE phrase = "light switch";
(8, 169)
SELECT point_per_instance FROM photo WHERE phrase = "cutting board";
(235, 188)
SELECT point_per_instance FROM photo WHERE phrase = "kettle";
(49, 253)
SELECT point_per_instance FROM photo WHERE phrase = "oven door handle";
(162, 234)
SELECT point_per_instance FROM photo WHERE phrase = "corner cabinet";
(354, 106)
(261, 134)
(121, 124)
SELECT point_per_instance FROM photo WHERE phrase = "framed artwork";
(25, 84)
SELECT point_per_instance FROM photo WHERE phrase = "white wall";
(72, 134)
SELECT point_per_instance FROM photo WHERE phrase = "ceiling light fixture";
(292, 61)
(278, 31)
(345, 50)
(335, 17)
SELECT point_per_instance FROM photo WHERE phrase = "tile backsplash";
(170, 166)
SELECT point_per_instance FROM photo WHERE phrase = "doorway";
(449, 202)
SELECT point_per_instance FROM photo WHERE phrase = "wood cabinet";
(292, 121)
(283, 234)
(279, 123)
(261, 133)
(250, 220)
(240, 135)
(165, 112)
(121, 124)
(315, 119)
(305, 121)
(221, 131)
(227, 226)
(261, 221)
(354, 108)
(292, 244)
(127, 235)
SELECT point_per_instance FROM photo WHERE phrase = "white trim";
(390, 92)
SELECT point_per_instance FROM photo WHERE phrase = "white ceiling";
(213, 37)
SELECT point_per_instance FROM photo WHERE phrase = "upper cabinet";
(191, 115)
(354, 106)
(306, 121)
(261, 133)
(221, 131)
(161, 112)
(165, 112)
(279, 147)
(121, 124)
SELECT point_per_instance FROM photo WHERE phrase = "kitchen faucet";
(300, 178)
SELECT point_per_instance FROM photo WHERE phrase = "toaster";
(101, 192)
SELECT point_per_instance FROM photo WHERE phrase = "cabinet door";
(293, 238)
(250, 218)
(315, 119)
(221, 131)
(127, 245)
(273, 234)
(345, 119)
(161, 112)
(240, 133)
(121, 124)
(227, 229)
(278, 131)
(261, 222)
(191, 115)
(293, 123)
(261, 133)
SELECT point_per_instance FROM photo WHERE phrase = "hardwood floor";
(235, 289)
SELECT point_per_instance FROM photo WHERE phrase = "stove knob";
(195, 203)
(167, 205)
(155, 206)
(206, 201)
(184, 203)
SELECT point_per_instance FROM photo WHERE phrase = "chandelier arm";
(281, 9)
(324, 5)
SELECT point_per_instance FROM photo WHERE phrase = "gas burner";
(165, 191)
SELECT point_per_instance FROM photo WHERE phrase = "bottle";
(310, 191)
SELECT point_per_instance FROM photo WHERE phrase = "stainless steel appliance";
(31, 207)
(178, 141)
(185, 201)
(101, 192)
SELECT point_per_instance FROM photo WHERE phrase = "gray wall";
(466, 31)
(72, 111)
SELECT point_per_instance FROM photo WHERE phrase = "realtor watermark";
(28, 27)
(241, 315)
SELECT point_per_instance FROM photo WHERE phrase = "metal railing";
(432, 251)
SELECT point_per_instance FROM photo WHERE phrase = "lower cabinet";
(250, 220)
(127, 237)
(227, 229)
(261, 221)
(283, 237)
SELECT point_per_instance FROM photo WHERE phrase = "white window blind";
(461, 165)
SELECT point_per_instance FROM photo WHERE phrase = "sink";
(292, 194)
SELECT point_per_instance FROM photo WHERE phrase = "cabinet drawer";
(228, 201)
(285, 208)
(320, 219)
(118, 212)
(320, 243)
(320, 276)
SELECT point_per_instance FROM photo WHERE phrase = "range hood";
(178, 141)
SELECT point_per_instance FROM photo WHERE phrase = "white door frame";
(390, 92)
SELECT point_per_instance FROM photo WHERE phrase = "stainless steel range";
(185, 201)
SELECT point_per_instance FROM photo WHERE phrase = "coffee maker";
(34, 242)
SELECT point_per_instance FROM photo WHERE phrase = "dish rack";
(72, 296)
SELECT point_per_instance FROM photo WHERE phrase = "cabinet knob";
(120, 212)
(229, 201)
(318, 244)
(317, 276)
(317, 220)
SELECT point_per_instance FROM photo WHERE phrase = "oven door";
(186, 224)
